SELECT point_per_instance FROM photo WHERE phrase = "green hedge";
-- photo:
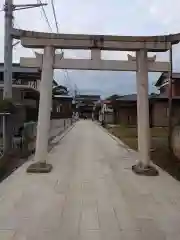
(7, 106)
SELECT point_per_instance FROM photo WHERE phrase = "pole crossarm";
(17, 7)
(95, 64)
(30, 5)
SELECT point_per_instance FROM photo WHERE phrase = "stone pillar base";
(39, 168)
(140, 169)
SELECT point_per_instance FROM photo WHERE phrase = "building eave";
(22, 87)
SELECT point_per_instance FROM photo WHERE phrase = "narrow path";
(91, 194)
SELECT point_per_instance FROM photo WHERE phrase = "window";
(58, 109)
(22, 95)
(167, 112)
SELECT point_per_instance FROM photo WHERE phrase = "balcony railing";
(32, 84)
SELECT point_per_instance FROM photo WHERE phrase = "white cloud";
(166, 12)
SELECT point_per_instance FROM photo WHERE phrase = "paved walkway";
(91, 194)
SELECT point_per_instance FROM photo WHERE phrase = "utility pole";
(8, 58)
(7, 93)
(8, 8)
(170, 100)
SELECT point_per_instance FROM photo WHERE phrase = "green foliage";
(113, 97)
(7, 106)
(60, 90)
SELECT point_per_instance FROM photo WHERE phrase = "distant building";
(125, 107)
(126, 110)
(25, 92)
(163, 84)
(106, 113)
(86, 103)
(62, 103)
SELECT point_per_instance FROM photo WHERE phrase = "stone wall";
(109, 118)
(58, 125)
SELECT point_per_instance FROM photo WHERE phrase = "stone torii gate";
(141, 64)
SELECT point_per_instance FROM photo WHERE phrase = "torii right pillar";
(143, 167)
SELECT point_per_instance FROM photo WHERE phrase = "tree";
(113, 97)
(60, 90)
(7, 106)
(153, 94)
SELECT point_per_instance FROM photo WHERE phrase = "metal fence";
(27, 139)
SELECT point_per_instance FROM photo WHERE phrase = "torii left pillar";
(41, 165)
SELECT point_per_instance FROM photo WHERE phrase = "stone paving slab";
(90, 194)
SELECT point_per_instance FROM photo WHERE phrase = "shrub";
(7, 106)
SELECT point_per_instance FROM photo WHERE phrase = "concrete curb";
(129, 150)
(28, 161)
(56, 141)
(120, 143)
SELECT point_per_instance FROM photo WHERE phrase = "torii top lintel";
(103, 42)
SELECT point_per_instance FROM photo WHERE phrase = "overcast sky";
(118, 17)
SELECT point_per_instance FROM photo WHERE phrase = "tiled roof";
(133, 97)
(164, 75)
(129, 97)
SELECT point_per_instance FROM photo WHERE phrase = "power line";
(57, 29)
(55, 17)
(45, 15)
(46, 18)
(56, 22)
(16, 43)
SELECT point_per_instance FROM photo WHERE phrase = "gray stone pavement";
(91, 194)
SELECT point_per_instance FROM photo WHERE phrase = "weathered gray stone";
(39, 168)
(90, 194)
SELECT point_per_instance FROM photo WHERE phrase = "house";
(163, 84)
(62, 103)
(126, 110)
(162, 106)
(125, 107)
(25, 93)
(85, 104)
(107, 112)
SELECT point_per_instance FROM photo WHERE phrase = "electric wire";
(57, 30)
(45, 15)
